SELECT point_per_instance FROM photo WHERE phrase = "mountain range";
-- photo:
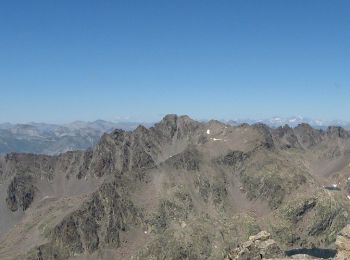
(293, 122)
(181, 189)
(43, 138)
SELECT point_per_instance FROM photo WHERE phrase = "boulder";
(262, 236)
(259, 246)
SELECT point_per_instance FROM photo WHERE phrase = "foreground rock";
(260, 246)
(343, 244)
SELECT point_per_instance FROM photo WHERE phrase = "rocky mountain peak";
(338, 132)
(181, 189)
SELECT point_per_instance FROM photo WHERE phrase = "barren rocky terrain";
(181, 189)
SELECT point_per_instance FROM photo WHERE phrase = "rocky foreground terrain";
(262, 246)
(180, 190)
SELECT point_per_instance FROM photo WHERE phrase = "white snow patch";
(145, 232)
(335, 185)
(217, 139)
(46, 197)
(348, 197)
(318, 122)
(208, 132)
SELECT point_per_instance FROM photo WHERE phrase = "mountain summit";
(181, 189)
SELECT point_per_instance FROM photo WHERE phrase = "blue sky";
(66, 60)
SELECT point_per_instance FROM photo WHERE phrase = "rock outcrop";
(260, 246)
(20, 192)
(343, 244)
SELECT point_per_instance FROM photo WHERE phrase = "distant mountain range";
(292, 122)
(43, 138)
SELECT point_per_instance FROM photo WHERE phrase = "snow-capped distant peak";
(294, 121)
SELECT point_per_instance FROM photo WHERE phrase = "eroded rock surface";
(179, 190)
(259, 246)
(343, 244)
(20, 192)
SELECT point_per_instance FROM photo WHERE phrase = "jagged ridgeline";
(179, 190)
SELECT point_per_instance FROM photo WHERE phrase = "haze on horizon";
(62, 61)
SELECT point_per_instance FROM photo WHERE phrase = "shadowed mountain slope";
(178, 190)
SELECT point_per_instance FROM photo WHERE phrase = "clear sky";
(67, 60)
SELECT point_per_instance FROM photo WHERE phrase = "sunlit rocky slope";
(179, 190)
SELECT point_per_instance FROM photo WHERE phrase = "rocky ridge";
(181, 189)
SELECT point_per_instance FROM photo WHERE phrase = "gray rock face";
(97, 224)
(343, 244)
(287, 137)
(234, 159)
(266, 132)
(179, 190)
(260, 246)
(188, 160)
(20, 193)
